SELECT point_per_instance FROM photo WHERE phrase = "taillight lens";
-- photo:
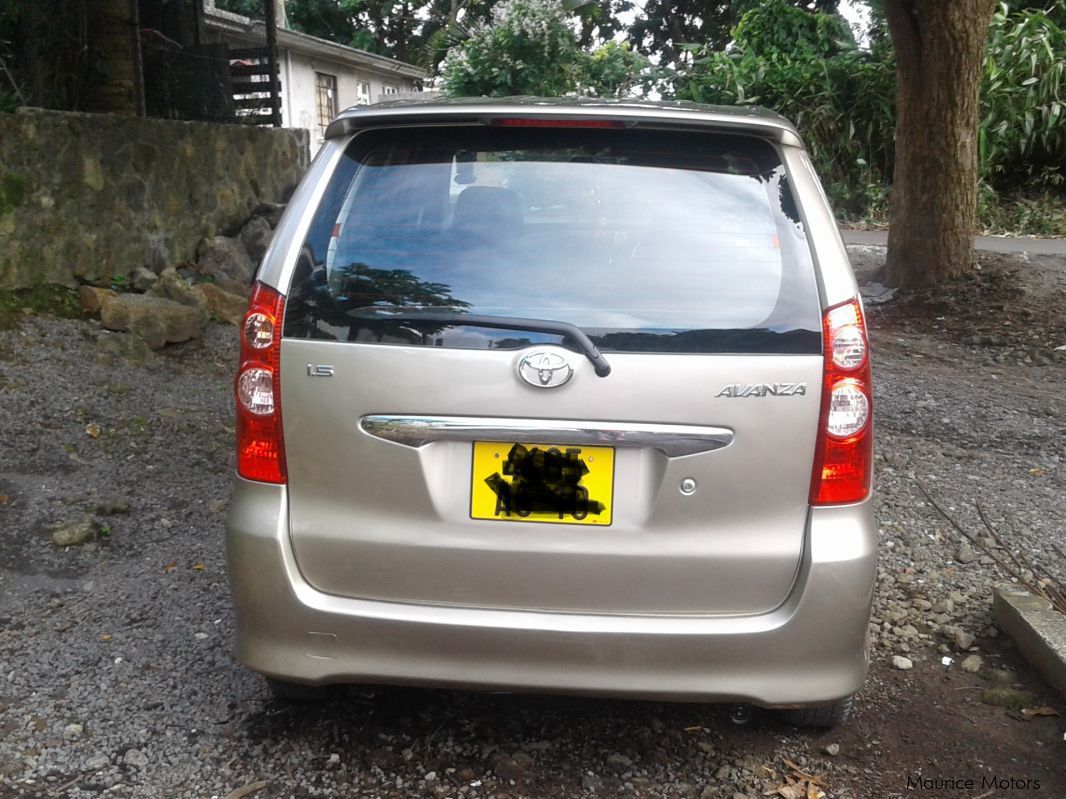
(260, 445)
(843, 463)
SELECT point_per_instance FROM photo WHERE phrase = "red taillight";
(260, 446)
(542, 122)
(843, 460)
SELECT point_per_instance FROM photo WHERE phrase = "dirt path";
(115, 669)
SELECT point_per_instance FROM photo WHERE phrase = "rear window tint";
(649, 241)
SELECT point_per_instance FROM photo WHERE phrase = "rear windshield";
(648, 241)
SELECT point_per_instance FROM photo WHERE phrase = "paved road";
(1006, 244)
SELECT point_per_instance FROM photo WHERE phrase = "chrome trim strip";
(673, 440)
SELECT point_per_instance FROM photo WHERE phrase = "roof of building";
(304, 43)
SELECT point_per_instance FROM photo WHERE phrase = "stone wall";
(91, 197)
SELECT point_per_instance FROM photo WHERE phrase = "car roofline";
(750, 120)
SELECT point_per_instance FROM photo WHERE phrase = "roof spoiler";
(752, 122)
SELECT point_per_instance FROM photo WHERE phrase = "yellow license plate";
(550, 483)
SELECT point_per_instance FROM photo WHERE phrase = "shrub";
(1022, 135)
(807, 68)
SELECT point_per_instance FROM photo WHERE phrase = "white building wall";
(301, 96)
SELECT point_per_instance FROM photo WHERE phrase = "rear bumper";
(810, 650)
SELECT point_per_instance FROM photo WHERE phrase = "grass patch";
(1033, 214)
(48, 299)
(1039, 214)
(1010, 698)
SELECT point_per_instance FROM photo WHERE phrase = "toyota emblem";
(545, 369)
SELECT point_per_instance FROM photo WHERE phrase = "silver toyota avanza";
(558, 396)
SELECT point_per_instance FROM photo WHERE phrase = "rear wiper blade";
(565, 329)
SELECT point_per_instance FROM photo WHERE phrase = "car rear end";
(557, 397)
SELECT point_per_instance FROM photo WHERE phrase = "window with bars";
(389, 88)
(326, 90)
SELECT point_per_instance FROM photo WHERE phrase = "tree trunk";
(113, 56)
(939, 47)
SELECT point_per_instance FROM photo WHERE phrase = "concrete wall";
(91, 196)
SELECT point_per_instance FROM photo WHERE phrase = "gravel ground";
(116, 676)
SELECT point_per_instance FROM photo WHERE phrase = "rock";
(832, 750)
(136, 759)
(504, 767)
(97, 762)
(944, 606)
(1001, 676)
(723, 773)
(963, 640)
(709, 792)
(964, 554)
(217, 505)
(591, 782)
(144, 279)
(523, 759)
(112, 348)
(75, 532)
(618, 763)
(92, 299)
(73, 732)
(271, 212)
(972, 664)
(112, 505)
(255, 236)
(231, 286)
(172, 286)
(902, 663)
(156, 320)
(225, 257)
(907, 631)
(222, 305)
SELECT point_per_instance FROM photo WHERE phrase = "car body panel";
(733, 546)
(809, 650)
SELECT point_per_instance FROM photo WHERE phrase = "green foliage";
(668, 28)
(9, 101)
(1041, 213)
(778, 29)
(806, 67)
(56, 300)
(614, 70)
(530, 47)
(1022, 133)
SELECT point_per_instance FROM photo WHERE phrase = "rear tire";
(298, 693)
(821, 715)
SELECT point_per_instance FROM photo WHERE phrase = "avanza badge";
(764, 390)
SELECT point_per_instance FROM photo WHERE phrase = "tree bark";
(939, 48)
(113, 55)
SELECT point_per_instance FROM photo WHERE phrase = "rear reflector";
(533, 122)
(843, 461)
(260, 445)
